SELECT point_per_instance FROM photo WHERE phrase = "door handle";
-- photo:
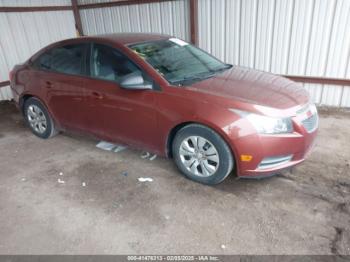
(97, 95)
(48, 84)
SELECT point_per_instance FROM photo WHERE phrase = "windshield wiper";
(202, 75)
(221, 68)
(199, 76)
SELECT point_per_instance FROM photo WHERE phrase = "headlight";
(267, 125)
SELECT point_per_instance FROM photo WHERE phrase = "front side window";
(178, 61)
(64, 59)
(109, 64)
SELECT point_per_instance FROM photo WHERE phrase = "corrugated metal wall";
(22, 34)
(295, 37)
(169, 17)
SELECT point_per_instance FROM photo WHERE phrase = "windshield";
(178, 61)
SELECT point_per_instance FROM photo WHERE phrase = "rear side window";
(109, 64)
(44, 61)
(64, 59)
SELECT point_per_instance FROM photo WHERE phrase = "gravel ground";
(303, 212)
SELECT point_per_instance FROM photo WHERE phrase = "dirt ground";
(303, 212)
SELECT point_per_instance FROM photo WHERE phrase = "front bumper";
(272, 154)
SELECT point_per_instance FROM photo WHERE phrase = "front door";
(117, 114)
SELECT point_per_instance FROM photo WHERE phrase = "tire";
(38, 119)
(209, 162)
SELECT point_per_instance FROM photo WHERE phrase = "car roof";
(129, 38)
(117, 38)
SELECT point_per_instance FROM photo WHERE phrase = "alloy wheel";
(37, 119)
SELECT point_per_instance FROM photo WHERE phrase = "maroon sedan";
(162, 94)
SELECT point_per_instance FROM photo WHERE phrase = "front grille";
(270, 162)
(311, 123)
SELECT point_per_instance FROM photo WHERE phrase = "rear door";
(63, 80)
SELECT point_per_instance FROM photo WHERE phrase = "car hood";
(254, 87)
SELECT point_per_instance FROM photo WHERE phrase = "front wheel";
(202, 155)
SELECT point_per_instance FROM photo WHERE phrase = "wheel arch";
(25, 97)
(172, 134)
(22, 101)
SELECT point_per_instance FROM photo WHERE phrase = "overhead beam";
(319, 80)
(194, 21)
(17, 9)
(81, 6)
(77, 19)
(119, 3)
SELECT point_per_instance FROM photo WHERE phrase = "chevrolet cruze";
(159, 93)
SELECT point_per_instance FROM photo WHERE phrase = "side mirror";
(135, 81)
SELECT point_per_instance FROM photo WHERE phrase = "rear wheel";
(202, 155)
(39, 119)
